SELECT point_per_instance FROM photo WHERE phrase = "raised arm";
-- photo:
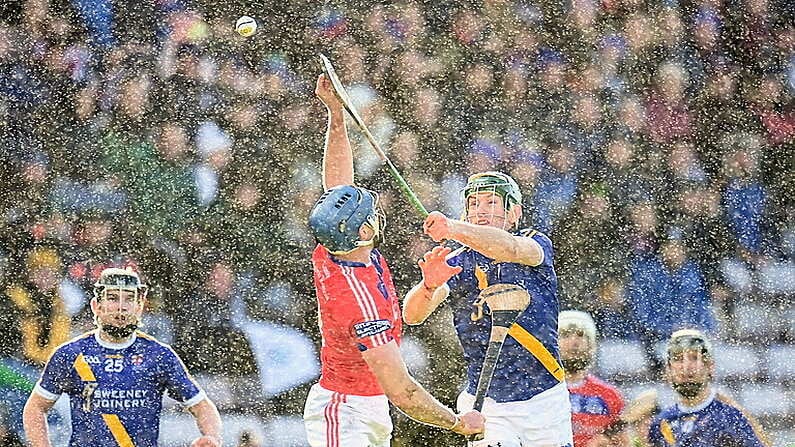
(337, 156)
(410, 397)
(209, 422)
(34, 420)
(491, 242)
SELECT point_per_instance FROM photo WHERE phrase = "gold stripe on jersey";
(483, 280)
(538, 350)
(117, 430)
(83, 370)
(144, 335)
(667, 432)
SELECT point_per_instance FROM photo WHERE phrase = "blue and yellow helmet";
(340, 212)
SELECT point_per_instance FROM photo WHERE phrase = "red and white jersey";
(358, 310)
(595, 405)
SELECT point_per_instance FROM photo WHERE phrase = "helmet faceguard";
(338, 215)
(580, 323)
(496, 183)
(578, 320)
(119, 281)
(689, 340)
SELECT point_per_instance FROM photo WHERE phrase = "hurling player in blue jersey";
(527, 403)
(702, 417)
(115, 377)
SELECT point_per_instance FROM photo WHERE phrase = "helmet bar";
(119, 279)
(497, 183)
(689, 340)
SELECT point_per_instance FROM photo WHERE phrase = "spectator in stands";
(702, 416)
(41, 322)
(206, 335)
(446, 72)
(745, 197)
(595, 404)
(608, 302)
(591, 248)
(667, 291)
(249, 439)
(669, 117)
(556, 190)
(97, 16)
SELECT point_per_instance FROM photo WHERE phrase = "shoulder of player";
(602, 385)
(729, 406)
(76, 342)
(380, 258)
(534, 234)
(318, 252)
(734, 412)
(151, 342)
(70, 349)
(150, 339)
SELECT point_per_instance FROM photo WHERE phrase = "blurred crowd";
(653, 142)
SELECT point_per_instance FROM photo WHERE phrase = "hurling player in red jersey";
(595, 404)
(360, 318)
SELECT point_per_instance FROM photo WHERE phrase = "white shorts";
(542, 421)
(343, 420)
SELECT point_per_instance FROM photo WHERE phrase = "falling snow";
(653, 143)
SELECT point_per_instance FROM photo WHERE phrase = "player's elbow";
(34, 413)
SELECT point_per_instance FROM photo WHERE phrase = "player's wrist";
(427, 287)
(456, 423)
(335, 108)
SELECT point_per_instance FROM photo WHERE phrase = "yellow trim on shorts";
(117, 430)
(539, 351)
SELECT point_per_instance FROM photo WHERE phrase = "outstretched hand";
(437, 226)
(472, 423)
(435, 269)
(325, 91)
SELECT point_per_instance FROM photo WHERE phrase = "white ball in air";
(246, 26)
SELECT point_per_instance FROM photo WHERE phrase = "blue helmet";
(340, 212)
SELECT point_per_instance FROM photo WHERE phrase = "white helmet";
(119, 279)
(576, 319)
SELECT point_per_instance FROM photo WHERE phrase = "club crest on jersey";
(370, 328)
(137, 359)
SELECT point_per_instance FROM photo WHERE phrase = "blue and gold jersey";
(116, 390)
(529, 363)
(716, 422)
